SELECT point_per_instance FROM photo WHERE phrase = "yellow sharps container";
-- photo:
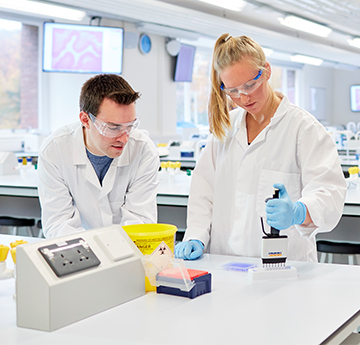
(153, 239)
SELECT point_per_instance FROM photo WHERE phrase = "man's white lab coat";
(232, 180)
(71, 196)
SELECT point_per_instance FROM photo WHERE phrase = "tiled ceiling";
(343, 16)
(258, 19)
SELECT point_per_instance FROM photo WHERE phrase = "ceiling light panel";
(354, 42)
(233, 5)
(300, 24)
(307, 59)
(43, 9)
(267, 51)
(343, 15)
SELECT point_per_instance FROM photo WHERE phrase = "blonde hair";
(228, 50)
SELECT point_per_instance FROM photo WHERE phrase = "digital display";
(355, 97)
(185, 63)
(82, 48)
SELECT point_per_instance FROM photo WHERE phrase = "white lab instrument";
(8, 163)
(163, 151)
(187, 149)
(32, 142)
(174, 149)
(11, 142)
(63, 280)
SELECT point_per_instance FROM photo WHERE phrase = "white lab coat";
(71, 196)
(232, 180)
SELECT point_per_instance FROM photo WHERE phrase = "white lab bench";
(321, 306)
(347, 162)
(19, 197)
(352, 203)
(186, 162)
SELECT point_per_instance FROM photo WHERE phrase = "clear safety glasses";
(246, 88)
(113, 130)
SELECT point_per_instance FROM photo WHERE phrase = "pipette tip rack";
(202, 280)
(269, 273)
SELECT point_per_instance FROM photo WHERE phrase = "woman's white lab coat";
(232, 180)
(71, 196)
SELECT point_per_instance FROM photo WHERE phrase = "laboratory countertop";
(345, 161)
(26, 184)
(170, 184)
(320, 306)
(353, 196)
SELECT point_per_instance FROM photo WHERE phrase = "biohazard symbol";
(161, 256)
(162, 249)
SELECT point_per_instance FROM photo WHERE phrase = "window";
(284, 79)
(192, 98)
(18, 75)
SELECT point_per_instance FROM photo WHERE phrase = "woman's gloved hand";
(282, 213)
(189, 250)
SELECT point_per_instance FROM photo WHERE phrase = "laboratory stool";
(39, 226)
(17, 223)
(344, 248)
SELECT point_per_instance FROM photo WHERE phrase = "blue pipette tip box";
(238, 266)
(202, 280)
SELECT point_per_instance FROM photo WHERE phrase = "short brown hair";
(103, 86)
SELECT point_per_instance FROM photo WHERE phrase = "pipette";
(274, 245)
(274, 254)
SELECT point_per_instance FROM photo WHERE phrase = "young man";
(100, 171)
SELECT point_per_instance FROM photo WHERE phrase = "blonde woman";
(267, 142)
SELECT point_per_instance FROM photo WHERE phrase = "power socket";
(69, 256)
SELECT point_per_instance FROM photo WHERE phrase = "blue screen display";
(185, 63)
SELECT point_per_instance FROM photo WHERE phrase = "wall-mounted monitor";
(355, 97)
(185, 63)
(82, 48)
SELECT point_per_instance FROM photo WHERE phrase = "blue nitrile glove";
(189, 250)
(282, 213)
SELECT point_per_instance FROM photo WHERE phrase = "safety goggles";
(113, 130)
(246, 88)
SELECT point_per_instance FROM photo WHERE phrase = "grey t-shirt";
(101, 164)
